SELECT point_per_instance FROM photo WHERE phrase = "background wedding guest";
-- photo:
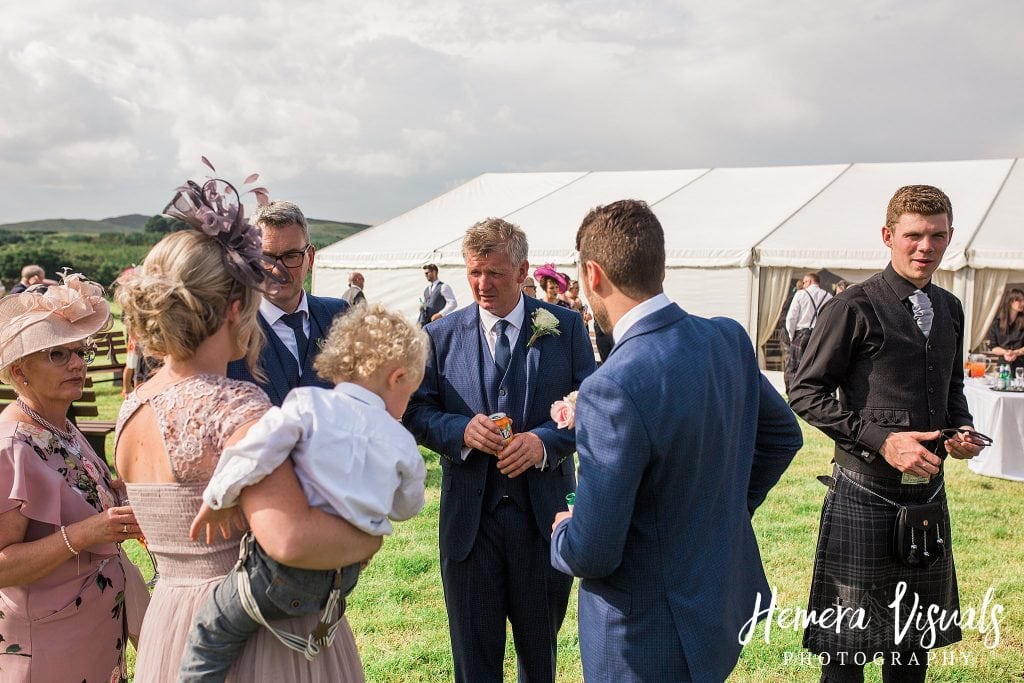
(1006, 335)
(840, 286)
(292, 320)
(194, 302)
(892, 347)
(529, 287)
(65, 585)
(354, 294)
(661, 533)
(803, 313)
(30, 275)
(552, 284)
(499, 495)
(438, 298)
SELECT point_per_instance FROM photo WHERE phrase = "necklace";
(68, 435)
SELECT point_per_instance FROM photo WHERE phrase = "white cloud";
(362, 110)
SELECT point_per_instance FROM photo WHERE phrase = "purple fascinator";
(218, 212)
(548, 270)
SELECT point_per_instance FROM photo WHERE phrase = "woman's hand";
(113, 525)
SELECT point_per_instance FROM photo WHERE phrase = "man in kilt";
(892, 346)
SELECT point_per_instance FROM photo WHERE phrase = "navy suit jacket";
(276, 359)
(680, 438)
(453, 391)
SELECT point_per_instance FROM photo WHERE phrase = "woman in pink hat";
(69, 596)
(552, 283)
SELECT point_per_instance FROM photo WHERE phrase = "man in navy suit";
(516, 355)
(680, 438)
(292, 320)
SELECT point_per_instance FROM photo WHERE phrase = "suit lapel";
(532, 355)
(477, 356)
(277, 361)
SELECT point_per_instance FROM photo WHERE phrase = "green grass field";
(397, 611)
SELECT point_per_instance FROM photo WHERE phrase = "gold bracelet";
(64, 533)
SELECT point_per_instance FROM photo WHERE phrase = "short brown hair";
(625, 238)
(496, 235)
(813, 277)
(925, 200)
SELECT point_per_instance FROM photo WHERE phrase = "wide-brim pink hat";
(41, 318)
(548, 270)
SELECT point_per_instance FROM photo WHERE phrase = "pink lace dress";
(196, 416)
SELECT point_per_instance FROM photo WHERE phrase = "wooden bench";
(108, 347)
(95, 431)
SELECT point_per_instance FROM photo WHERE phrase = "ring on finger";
(124, 528)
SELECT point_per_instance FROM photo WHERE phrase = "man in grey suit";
(354, 294)
(515, 355)
(292, 320)
(438, 299)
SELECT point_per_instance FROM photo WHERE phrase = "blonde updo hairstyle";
(180, 296)
(368, 338)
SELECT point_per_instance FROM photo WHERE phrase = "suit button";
(295, 604)
(502, 392)
(931, 367)
(931, 390)
(480, 491)
(932, 411)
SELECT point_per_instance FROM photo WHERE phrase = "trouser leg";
(474, 595)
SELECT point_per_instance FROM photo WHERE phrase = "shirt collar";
(903, 287)
(360, 393)
(515, 317)
(637, 313)
(271, 313)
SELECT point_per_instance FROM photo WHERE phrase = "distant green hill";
(322, 231)
(118, 224)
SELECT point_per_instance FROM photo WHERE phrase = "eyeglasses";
(60, 355)
(289, 259)
(969, 436)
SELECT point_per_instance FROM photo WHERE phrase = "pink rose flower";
(91, 469)
(564, 414)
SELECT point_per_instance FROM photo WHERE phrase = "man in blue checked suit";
(497, 499)
(680, 438)
(292, 321)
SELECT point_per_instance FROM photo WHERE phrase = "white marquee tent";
(734, 236)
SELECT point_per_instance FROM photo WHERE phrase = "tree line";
(99, 256)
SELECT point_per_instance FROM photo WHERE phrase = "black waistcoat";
(432, 303)
(904, 386)
(505, 395)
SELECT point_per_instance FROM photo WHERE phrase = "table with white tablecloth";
(999, 414)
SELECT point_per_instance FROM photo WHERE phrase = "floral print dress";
(68, 625)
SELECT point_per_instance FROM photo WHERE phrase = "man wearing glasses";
(893, 347)
(292, 320)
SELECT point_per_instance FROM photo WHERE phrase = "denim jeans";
(221, 626)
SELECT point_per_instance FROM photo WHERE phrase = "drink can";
(504, 424)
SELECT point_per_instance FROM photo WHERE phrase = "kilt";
(855, 569)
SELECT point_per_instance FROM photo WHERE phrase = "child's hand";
(211, 520)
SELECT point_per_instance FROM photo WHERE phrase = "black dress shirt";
(848, 352)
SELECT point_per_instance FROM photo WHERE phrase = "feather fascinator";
(217, 211)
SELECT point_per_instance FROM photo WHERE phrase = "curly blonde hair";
(368, 338)
(181, 295)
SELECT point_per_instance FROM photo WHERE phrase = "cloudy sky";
(360, 111)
